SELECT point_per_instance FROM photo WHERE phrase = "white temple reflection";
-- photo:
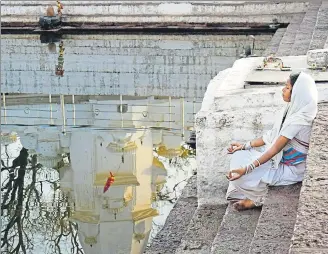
(99, 137)
(119, 220)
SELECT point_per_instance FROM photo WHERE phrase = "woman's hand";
(236, 174)
(235, 147)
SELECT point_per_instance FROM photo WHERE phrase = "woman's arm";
(257, 142)
(238, 146)
(276, 148)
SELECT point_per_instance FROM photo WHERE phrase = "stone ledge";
(236, 231)
(276, 223)
(311, 229)
(274, 247)
(202, 230)
(160, 7)
(169, 238)
(10, 20)
(308, 251)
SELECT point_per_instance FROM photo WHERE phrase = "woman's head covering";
(293, 77)
(303, 106)
(301, 110)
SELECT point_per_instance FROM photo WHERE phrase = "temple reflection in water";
(73, 144)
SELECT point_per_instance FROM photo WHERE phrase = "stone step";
(276, 223)
(169, 238)
(320, 35)
(275, 42)
(106, 19)
(202, 230)
(236, 231)
(311, 232)
(305, 33)
(288, 39)
(170, 7)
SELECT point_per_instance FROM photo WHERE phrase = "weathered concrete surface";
(236, 231)
(176, 225)
(318, 57)
(174, 65)
(212, 161)
(276, 224)
(154, 12)
(231, 113)
(311, 229)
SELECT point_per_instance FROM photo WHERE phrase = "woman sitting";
(286, 147)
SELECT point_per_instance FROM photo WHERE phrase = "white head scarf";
(301, 110)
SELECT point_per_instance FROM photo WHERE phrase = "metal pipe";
(62, 102)
(121, 110)
(50, 103)
(193, 107)
(182, 117)
(170, 111)
(4, 107)
(73, 102)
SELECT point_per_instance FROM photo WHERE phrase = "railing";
(169, 114)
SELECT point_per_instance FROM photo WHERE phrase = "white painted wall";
(147, 11)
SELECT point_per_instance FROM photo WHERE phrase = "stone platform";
(293, 218)
(254, 13)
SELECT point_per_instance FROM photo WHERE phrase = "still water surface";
(91, 106)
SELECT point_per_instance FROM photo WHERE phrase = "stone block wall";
(175, 65)
(311, 229)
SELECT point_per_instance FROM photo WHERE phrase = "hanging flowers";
(109, 181)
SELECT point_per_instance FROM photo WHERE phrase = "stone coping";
(127, 2)
(168, 239)
(311, 229)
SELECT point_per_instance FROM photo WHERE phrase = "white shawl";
(301, 110)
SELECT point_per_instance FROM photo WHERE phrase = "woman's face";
(287, 91)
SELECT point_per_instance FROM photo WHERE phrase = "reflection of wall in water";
(170, 65)
(175, 114)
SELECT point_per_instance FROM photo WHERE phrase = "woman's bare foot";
(244, 205)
